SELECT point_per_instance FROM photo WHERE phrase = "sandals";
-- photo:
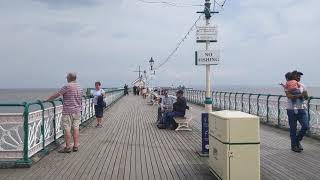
(68, 150)
(65, 150)
(75, 149)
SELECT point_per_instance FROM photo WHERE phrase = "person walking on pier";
(98, 93)
(126, 92)
(134, 90)
(297, 113)
(71, 112)
(138, 91)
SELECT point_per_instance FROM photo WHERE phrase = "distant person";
(293, 87)
(134, 90)
(71, 112)
(138, 91)
(166, 104)
(144, 93)
(300, 117)
(126, 92)
(179, 110)
(98, 93)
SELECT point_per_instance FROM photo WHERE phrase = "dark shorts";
(98, 111)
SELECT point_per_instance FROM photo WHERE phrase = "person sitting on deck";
(166, 104)
(179, 110)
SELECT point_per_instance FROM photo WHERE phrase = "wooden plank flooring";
(130, 146)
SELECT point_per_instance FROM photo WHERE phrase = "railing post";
(224, 100)
(42, 126)
(308, 106)
(220, 106)
(242, 101)
(198, 97)
(279, 110)
(212, 92)
(91, 107)
(230, 100)
(192, 96)
(25, 162)
(54, 121)
(250, 94)
(203, 97)
(216, 96)
(81, 112)
(258, 104)
(268, 96)
(235, 101)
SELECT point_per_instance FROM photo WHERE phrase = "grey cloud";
(64, 28)
(62, 4)
(65, 4)
(119, 35)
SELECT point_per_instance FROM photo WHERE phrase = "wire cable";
(187, 34)
(179, 44)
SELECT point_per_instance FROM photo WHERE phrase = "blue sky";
(42, 40)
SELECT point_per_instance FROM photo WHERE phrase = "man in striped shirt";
(71, 112)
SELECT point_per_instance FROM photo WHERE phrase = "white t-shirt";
(96, 93)
(299, 103)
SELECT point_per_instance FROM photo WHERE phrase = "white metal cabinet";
(234, 145)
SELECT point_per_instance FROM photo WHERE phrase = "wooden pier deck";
(130, 146)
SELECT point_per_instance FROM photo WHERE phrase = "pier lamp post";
(151, 62)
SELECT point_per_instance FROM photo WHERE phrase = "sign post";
(206, 35)
(208, 57)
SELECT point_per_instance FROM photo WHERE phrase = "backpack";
(101, 102)
(161, 126)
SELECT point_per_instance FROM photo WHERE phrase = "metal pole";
(208, 100)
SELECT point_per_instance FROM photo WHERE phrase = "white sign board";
(209, 57)
(207, 33)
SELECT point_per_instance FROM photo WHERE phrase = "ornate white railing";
(24, 134)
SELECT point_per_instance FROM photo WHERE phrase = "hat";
(297, 72)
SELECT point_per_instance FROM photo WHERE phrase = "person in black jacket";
(179, 110)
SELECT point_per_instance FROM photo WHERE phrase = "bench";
(184, 122)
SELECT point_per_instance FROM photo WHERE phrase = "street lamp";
(151, 61)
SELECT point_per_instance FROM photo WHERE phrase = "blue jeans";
(293, 119)
(168, 117)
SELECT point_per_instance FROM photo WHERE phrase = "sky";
(106, 40)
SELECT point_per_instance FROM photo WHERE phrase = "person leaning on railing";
(71, 112)
(297, 113)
